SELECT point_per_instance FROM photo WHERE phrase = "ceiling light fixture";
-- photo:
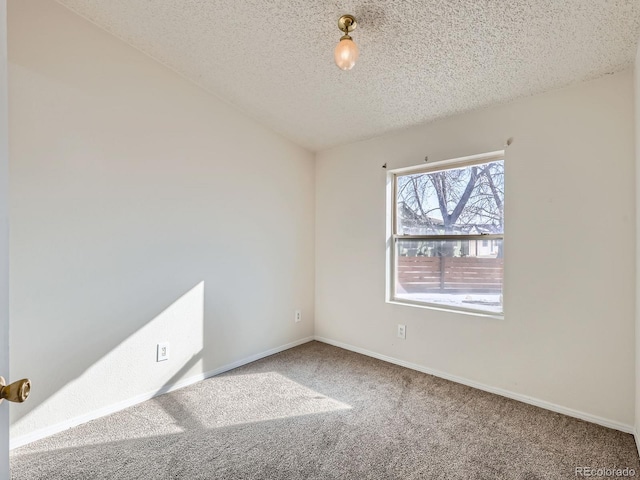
(346, 52)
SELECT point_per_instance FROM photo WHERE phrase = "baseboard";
(487, 388)
(635, 435)
(59, 427)
(102, 412)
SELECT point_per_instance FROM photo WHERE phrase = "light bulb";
(346, 54)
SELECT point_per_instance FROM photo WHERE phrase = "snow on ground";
(486, 302)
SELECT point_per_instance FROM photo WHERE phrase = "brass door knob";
(16, 392)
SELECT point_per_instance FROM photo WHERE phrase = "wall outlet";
(402, 331)
(298, 316)
(163, 352)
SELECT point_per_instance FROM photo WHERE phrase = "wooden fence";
(450, 274)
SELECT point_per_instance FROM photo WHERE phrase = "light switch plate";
(402, 331)
(163, 352)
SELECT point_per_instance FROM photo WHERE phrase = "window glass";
(449, 237)
(465, 200)
(450, 273)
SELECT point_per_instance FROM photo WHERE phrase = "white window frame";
(393, 236)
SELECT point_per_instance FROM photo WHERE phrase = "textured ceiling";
(419, 59)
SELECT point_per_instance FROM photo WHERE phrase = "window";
(448, 235)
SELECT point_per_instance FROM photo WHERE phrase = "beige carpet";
(320, 412)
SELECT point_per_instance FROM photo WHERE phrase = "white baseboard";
(102, 412)
(635, 435)
(498, 391)
(59, 427)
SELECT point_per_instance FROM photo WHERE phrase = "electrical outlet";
(402, 331)
(163, 352)
(298, 316)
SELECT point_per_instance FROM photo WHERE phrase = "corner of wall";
(637, 289)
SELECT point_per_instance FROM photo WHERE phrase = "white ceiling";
(419, 59)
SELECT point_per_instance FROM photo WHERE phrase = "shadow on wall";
(131, 190)
(112, 359)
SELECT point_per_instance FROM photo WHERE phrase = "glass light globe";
(346, 54)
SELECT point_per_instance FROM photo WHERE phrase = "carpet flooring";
(321, 412)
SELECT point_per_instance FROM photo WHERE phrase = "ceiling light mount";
(347, 23)
(346, 52)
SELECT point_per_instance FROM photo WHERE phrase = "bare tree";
(468, 200)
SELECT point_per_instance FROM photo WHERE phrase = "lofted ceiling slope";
(419, 59)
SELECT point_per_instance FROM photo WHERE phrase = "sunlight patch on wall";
(180, 324)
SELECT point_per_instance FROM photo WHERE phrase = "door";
(4, 242)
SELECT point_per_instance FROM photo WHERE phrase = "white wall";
(568, 333)
(637, 293)
(4, 244)
(142, 210)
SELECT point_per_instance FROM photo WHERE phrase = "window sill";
(440, 308)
